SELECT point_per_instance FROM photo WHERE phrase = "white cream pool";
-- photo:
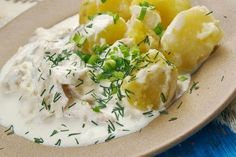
(23, 110)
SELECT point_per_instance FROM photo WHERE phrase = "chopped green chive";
(159, 30)
(78, 39)
(142, 13)
(182, 78)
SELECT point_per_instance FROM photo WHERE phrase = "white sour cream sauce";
(26, 79)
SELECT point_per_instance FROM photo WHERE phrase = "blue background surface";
(215, 140)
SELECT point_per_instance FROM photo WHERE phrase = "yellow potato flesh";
(191, 38)
(159, 83)
(109, 34)
(93, 7)
(143, 36)
(168, 9)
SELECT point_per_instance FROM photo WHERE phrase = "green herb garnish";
(58, 143)
(173, 119)
(110, 137)
(194, 87)
(78, 40)
(38, 140)
(182, 78)
(118, 111)
(163, 98)
(73, 134)
(10, 130)
(54, 133)
(111, 127)
(159, 30)
(57, 96)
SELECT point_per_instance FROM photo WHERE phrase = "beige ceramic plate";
(197, 109)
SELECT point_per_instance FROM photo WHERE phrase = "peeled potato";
(142, 30)
(190, 38)
(168, 9)
(154, 85)
(92, 7)
(102, 29)
(144, 37)
(151, 17)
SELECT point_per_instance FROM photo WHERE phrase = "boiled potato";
(149, 17)
(168, 9)
(92, 7)
(154, 86)
(103, 29)
(141, 27)
(144, 37)
(191, 38)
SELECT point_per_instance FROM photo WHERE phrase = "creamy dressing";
(54, 119)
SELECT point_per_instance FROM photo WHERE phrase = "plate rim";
(158, 150)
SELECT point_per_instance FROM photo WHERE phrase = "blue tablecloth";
(215, 140)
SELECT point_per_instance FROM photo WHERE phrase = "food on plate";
(109, 76)
(154, 85)
(89, 8)
(191, 38)
(167, 9)
(144, 27)
(100, 30)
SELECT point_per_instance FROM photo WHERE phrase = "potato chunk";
(148, 15)
(144, 37)
(92, 7)
(142, 25)
(103, 29)
(190, 38)
(154, 86)
(168, 9)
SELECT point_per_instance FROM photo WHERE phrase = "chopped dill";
(58, 143)
(181, 103)
(38, 140)
(173, 119)
(54, 133)
(110, 137)
(194, 87)
(111, 127)
(10, 130)
(94, 123)
(57, 96)
(73, 134)
(76, 140)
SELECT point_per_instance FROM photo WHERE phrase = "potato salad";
(106, 74)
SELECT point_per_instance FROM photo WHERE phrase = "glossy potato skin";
(185, 46)
(93, 7)
(147, 95)
(167, 9)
